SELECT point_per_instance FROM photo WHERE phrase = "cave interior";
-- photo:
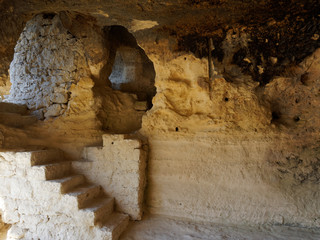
(191, 119)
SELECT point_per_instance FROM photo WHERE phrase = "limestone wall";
(220, 178)
(218, 150)
(119, 167)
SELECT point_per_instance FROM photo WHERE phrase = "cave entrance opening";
(67, 67)
(132, 71)
(131, 77)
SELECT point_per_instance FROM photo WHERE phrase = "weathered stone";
(37, 208)
(59, 98)
(15, 232)
(53, 54)
(38, 114)
(119, 167)
(53, 111)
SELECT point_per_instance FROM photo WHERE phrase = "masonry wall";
(119, 167)
(48, 62)
(39, 204)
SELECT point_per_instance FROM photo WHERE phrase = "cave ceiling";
(285, 30)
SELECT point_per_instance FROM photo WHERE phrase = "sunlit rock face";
(239, 150)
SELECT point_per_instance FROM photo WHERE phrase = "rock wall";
(187, 101)
(119, 167)
(1, 226)
(61, 67)
(11, 26)
(119, 112)
(230, 150)
(250, 180)
(294, 97)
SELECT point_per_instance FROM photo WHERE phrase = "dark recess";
(48, 15)
(275, 116)
(287, 31)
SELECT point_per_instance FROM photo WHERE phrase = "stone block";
(15, 232)
(20, 172)
(59, 97)
(4, 186)
(119, 167)
(53, 111)
(11, 216)
(109, 139)
(20, 188)
(21, 159)
(6, 169)
(29, 207)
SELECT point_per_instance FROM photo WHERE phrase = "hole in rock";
(304, 78)
(131, 75)
(275, 116)
(132, 70)
(297, 119)
(177, 129)
(48, 15)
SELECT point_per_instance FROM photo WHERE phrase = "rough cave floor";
(158, 227)
(164, 228)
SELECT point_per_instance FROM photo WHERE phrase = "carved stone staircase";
(43, 198)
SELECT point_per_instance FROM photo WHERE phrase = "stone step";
(35, 156)
(114, 225)
(49, 171)
(13, 108)
(83, 195)
(98, 209)
(16, 120)
(42, 157)
(65, 184)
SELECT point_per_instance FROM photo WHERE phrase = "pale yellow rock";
(119, 168)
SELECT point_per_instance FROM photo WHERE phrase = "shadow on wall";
(130, 70)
